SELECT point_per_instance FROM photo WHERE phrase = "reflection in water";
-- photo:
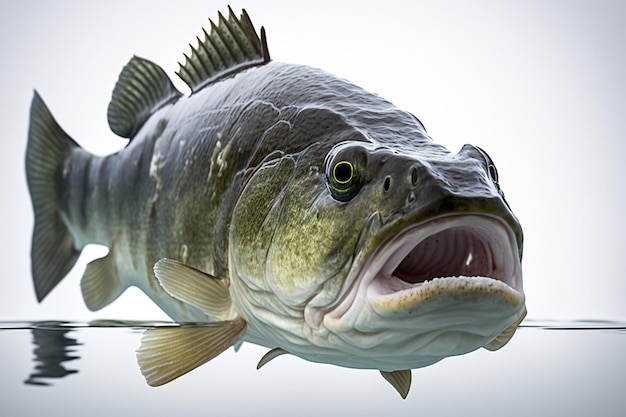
(549, 369)
(52, 347)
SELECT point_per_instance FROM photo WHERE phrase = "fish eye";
(493, 172)
(491, 168)
(344, 175)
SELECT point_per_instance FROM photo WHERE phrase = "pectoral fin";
(272, 354)
(400, 380)
(169, 352)
(189, 285)
(504, 337)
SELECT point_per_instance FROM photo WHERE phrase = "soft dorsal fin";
(232, 45)
(142, 88)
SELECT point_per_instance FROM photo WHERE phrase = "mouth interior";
(467, 246)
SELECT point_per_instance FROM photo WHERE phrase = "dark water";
(548, 369)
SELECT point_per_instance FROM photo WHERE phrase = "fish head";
(371, 254)
(437, 269)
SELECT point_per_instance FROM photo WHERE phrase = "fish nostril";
(413, 176)
(387, 184)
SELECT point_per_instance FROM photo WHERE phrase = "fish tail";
(53, 253)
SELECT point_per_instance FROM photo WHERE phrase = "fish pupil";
(343, 172)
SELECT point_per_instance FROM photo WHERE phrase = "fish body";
(283, 206)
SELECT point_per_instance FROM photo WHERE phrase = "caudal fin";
(52, 252)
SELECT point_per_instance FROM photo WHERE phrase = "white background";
(538, 84)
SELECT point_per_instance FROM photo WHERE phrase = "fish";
(279, 205)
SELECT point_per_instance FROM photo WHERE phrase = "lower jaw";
(422, 325)
(443, 294)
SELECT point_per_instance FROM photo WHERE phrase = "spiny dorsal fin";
(232, 45)
(142, 88)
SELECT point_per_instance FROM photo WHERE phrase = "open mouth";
(443, 287)
(447, 259)
(469, 246)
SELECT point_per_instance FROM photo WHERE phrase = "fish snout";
(396, 180)
(402, 183)
(412, 189)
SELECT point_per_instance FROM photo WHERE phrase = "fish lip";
(377, 284)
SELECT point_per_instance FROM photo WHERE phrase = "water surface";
(548, 369)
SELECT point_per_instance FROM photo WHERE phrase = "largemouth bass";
(280, 205)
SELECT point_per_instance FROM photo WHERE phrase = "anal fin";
(169, 352)
(400, 380)
(101, 284)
